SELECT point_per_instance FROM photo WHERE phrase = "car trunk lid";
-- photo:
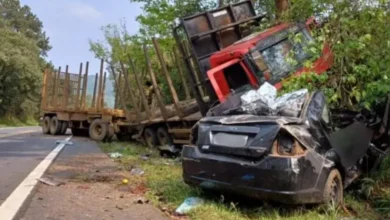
(241, 140)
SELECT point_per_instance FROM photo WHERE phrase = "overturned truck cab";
(298, 151)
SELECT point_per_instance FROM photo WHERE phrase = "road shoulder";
(91, 189)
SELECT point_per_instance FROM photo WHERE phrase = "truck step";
(179, 131)
(177, 141)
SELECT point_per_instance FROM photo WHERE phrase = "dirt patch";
(93, 189)
(137, 189)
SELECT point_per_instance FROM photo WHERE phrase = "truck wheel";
(55, 126)
(150, 138)
(333, 192)
(163, 137)
(98, 130)
(64, 127)
(46, 125)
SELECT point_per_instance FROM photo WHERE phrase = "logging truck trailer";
(66, 104)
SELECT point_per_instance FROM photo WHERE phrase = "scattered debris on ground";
(169, 150)
(115, 155)
(125, 181)
(89, 194)
(141, 200)
(188, 205)
(137, 172)
(162, 184)
(145, 156)
(64, 142)
(50, 181)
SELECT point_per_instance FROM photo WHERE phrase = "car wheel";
(46, 125)
(98, 130)
(150, 138)
(55, 126)
(163, 137)
(333, 192)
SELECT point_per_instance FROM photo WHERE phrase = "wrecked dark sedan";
(297, 151)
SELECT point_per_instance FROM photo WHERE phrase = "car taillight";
(286, 145)
(267, 75)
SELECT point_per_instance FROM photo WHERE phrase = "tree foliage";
(21, 63)
(359, 35)
(22, 20)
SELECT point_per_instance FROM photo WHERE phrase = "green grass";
(14, 122)
(163, 179)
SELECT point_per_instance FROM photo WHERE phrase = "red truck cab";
(264, 56)
(224, 54)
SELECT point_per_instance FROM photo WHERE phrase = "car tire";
(150, 137)
(333, 192)
(55, 126)
(164, 138)
(98, 130)
(46, 125)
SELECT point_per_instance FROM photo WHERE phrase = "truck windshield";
(283, 57)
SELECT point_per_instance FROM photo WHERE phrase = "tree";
(360, 76)
(22, 20)
(19, 74)
(23, 47)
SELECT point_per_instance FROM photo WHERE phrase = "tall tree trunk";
(281, 6)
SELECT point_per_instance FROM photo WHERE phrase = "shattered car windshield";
(283, 57)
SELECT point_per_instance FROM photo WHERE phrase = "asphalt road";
(21, 150)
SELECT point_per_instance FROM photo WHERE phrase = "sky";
(71, 23)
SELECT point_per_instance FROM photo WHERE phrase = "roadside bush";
(359, 35)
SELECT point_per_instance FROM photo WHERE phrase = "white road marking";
(10, 207)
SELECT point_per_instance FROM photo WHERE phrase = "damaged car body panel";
(275, 156)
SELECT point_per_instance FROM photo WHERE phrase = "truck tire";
(55, 126)
(164, 138)
(64, 127)
(150, 137)
(333, 192)
(46, 125)
(98, 130)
